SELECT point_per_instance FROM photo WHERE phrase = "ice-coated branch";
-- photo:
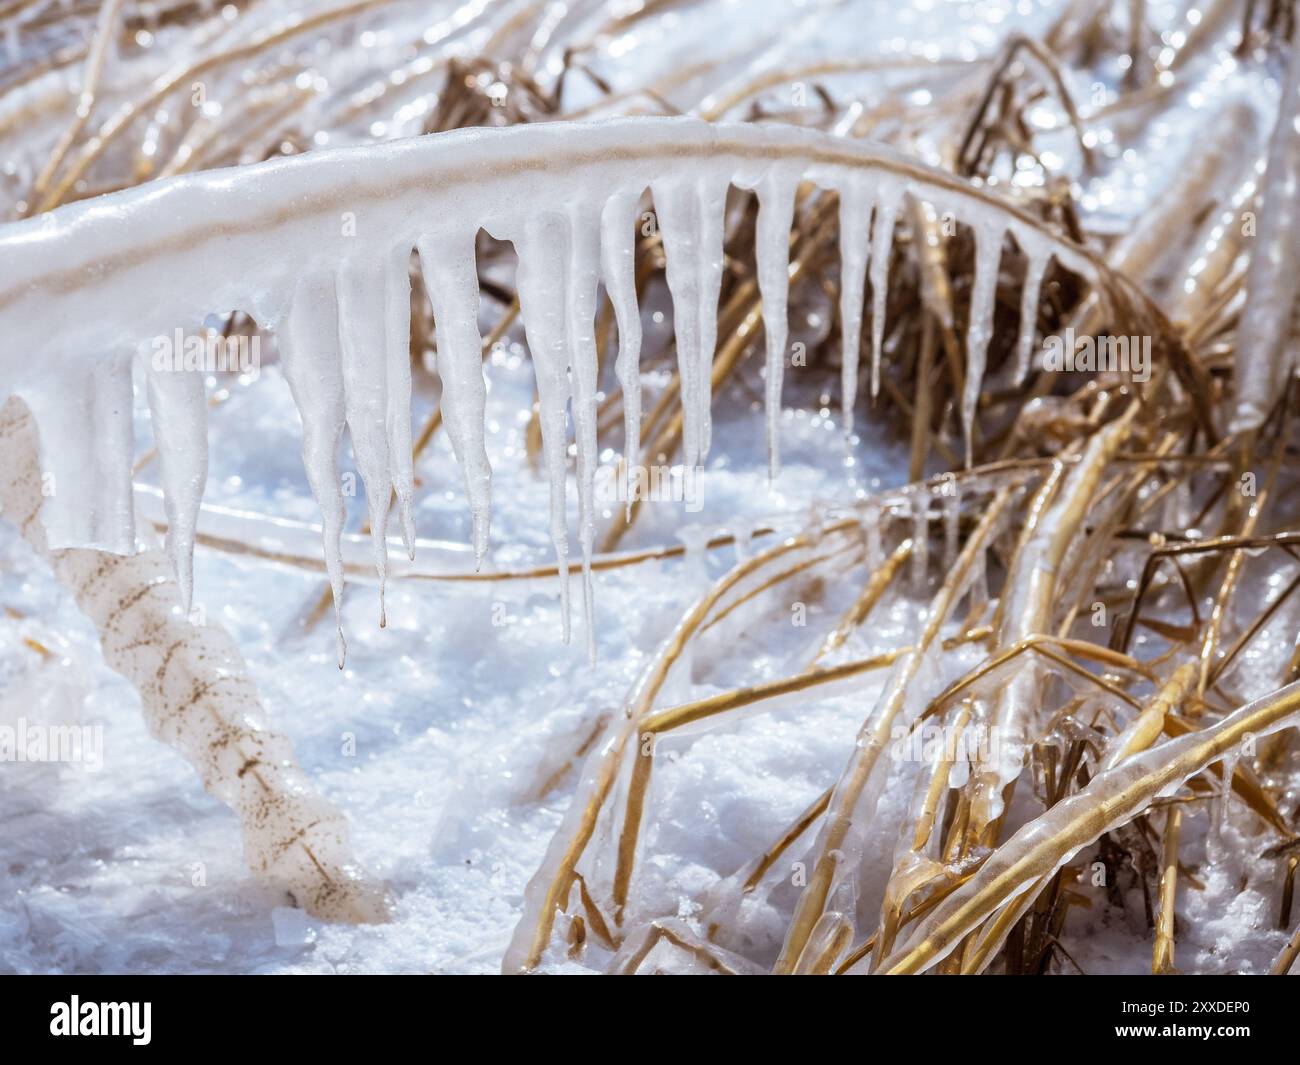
(316, 247)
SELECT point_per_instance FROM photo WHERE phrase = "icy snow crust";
(458, 724)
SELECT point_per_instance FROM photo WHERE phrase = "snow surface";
(457, 723)
(442, 730)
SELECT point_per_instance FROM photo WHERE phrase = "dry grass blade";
(1162, 954)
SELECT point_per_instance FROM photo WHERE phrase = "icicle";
(742, 542)
(979, 581)
(179, 412)
(882, 243)
(1223, 801)
(1178, 506)
(618, 269)
(86, 448)
(309, 354)
(540, 280)
(1035, 268)
(855, 221)
(397, 340)
(920, 539)
(580, 282)
(361, 324)
(979, 331)
(690, 222)
(871, 533)
(695, 573)
(951, 505)
(677, 212)
(712, 198)
(450, 271)
(772, 250)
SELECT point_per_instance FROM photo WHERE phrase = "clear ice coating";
(1273, 282)
(103, 275)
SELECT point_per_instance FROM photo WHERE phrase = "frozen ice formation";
(1273, 283)
(199, 700)
(1112, 797)
(317, 248)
